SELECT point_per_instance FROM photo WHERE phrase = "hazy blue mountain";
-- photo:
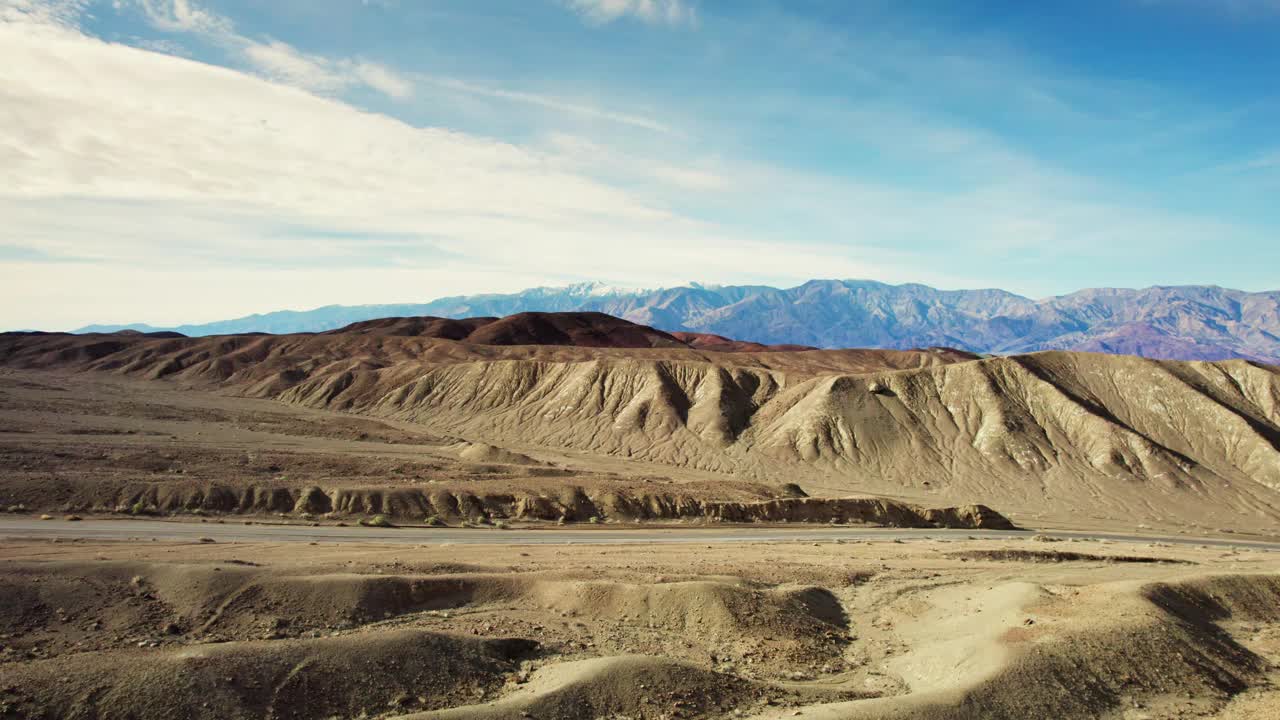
(1183, 322)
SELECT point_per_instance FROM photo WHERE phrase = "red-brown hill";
(425, 326)
(720, 343)
(578, 329)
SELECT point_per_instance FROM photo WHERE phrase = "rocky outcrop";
(570, 504)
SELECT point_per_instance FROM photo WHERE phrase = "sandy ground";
(68, 435)
(537, 621)
(93, 442)
(880, 628)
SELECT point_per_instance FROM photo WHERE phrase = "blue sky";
(187, 160)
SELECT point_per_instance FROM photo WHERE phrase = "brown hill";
(578, 329)
(586, 329)
(426, 326)
(1081, 437)
(719, 343)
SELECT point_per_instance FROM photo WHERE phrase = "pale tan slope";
(1028, 651)
(1067, 437)
(943, 629)
(1111, 437)
(245, 360)
(685, 414)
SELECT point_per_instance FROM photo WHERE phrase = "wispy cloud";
(185, 16)
(551, 103)
(284, 63)
(125, 151)
(669, 12)
(170, 176)
(35, 14)
(274, 58)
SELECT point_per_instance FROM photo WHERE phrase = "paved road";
(237, 531)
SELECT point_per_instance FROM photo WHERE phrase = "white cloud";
(184, 16)
(282, 62)
(225, 192)
(42, 14)
(671, 12)
(142, 165)
(89, 118)
(275, 59)
(382, 79)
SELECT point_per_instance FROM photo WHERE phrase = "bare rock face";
(573, 504)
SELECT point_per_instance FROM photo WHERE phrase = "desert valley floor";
(416, 427)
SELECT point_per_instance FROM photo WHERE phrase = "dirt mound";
(633, 686)
(64, 607)
(874, 629)
(485, 453)
(345, 676)
(59, 607)
(805, 626)
(773, 629)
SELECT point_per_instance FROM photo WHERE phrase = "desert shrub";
(794, 490)
(380, 521)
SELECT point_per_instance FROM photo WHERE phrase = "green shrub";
(380, 521)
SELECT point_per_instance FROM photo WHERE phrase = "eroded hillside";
(1111, 438)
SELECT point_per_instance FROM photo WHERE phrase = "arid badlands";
(574, 516)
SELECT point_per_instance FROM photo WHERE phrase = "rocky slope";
(1094, 436)
(1187, 323)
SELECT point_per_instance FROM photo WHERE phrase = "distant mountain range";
(1192, 322)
